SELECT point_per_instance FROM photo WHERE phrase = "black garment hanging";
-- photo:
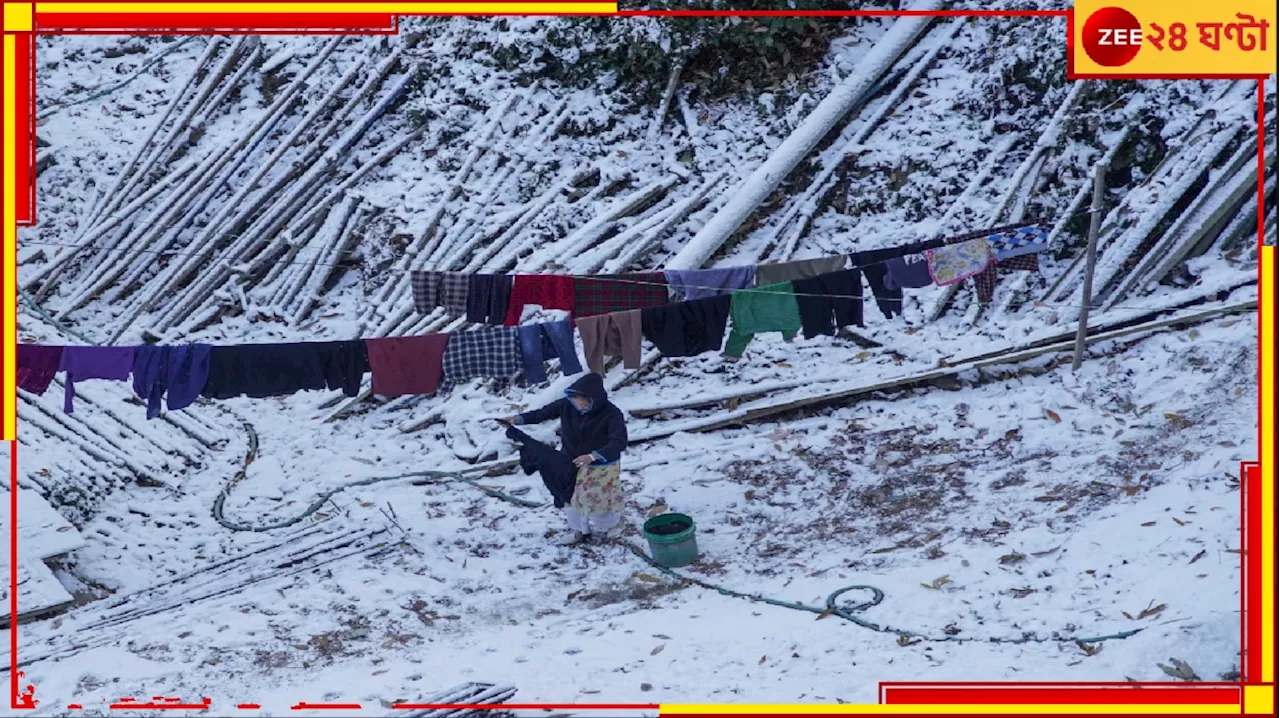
(828, 301)
(874, 269)
(488, 297)
(558, 472)
(687, 329)
(263, 370)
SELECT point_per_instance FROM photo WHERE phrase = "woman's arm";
(546, 413)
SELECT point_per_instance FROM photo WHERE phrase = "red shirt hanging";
(406, 365)
(549, 291)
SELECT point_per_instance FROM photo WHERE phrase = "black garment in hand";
(262, 370)
(558, 472)
(687, 329)
(828, 301)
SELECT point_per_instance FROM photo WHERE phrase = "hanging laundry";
(426, 290)
(549, 291)
(488, 298)
(37, 364)
(1025, 263)
(800, 269)
(1019, 242)
(540, 342)
(687, 329)
(828, 301)
(616, 334)
(264, 370)
(910, 271)
(694, 284)
(433, 289)
(771, 308)
(618, 293)
(82, 363)
(489, 353)
(958, 262)
(985, 283)
(873, 266)
(177, 374)
(406, 365)
(559, 474)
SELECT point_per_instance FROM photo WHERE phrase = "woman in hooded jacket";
(594, 433)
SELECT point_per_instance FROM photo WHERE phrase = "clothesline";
(980, 255)
(976, 234)
(609, 324)
(747, 290)
(306, 250)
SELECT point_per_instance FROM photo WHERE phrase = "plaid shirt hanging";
(490, 353)
(618, 293)
(426, 290)
(985, 283)
(433, 289)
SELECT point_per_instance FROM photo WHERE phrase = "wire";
(182, 253)
(166, 252)
(754, 290)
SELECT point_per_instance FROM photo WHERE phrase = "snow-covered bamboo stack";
(1160, 201)
(756, 188)
(800, 214)
(1232, 185)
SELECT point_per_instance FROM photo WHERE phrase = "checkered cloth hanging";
(986, 281)
(491, 353)
(619, 293)
(1017, 242)
(433, 289)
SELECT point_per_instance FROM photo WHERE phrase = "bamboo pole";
(1091, 258)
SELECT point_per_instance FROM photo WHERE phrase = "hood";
(592, 387)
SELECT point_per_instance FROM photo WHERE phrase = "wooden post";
(1091, 259)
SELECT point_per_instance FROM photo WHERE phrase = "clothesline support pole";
(1091, 258)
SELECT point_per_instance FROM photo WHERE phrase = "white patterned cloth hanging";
(957, 262)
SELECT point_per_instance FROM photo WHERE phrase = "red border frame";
(220, 23)
(376, 24)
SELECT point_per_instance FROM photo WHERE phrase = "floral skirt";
(598, 490)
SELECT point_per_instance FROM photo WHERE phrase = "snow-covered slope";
(1031, 492)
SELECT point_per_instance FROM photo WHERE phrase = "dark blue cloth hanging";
(180, 372)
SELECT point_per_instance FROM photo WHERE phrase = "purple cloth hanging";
(81, 363)
(37, 363)
(703, 283)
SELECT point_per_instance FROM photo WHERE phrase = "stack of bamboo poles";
(194, 227)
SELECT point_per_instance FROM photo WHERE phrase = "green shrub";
(721, 56)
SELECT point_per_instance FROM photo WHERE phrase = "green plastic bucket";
(671, 540)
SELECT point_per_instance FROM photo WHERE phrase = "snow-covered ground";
(1021, 502)
(1049, 505)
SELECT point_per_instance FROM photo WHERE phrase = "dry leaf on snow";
(1179, 670)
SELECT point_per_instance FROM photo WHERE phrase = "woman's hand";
(508, 420)
(584, 460)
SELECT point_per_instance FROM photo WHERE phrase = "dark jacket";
(600, 430)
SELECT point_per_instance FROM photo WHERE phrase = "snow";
(844, 499)
(1116, 486)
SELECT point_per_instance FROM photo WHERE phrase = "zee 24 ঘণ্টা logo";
(1113, 36)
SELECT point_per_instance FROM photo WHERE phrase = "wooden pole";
(1091, 259)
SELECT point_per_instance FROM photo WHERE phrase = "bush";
(721, 56)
